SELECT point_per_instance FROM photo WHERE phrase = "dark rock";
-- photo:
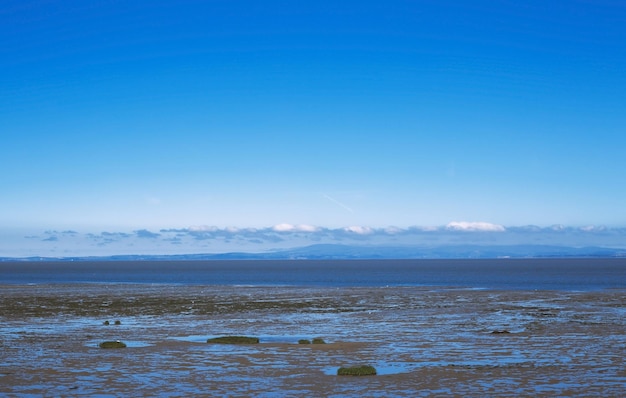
(234, 340)
(363, 370)
(112, 344)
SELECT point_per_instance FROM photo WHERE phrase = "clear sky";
(154, 115)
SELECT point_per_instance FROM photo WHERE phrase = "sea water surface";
(517, 274)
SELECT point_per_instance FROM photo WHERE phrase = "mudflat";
(422, 341)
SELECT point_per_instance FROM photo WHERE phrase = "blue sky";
(119, 116)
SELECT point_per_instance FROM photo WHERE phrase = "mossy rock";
(234, 340)
(118, 322)
(363, 370)
(112, 344)
(304, 341)
(318, 341)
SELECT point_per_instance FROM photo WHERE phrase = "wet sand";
(423, 341)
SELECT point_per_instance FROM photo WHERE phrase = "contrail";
(338, 203)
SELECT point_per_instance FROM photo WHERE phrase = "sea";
(581, 274)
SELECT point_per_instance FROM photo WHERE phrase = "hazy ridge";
(332, 251)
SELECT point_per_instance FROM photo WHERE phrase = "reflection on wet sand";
(421, 341)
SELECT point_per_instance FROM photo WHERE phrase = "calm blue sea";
(554, 274)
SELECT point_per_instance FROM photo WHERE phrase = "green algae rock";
(234, 340)
(363, 370)
(112, 344)
(318, 341)
(304, 341)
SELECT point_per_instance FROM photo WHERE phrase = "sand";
(422, 341)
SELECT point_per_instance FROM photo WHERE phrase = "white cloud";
(428, 228)
(359, 230)
(202, 228)
(592, 228)
(393, 230)
(211, 239)
(294, 228)
(474, 226)
(283, 227)
(307, 228)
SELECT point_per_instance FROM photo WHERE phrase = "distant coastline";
(347, 252)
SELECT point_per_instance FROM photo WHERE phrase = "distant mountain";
(447, 252)
(330, 251)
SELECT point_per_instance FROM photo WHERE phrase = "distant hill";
(330, 251)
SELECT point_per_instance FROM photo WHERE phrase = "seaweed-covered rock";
(363, 370)
(234, 340)
(112, 344)
(318, 340)
(304, 341)
(118, 322)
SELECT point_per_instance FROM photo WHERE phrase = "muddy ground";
(422, 341)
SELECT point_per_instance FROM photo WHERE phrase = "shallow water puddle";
(129, 344)
(262, 338)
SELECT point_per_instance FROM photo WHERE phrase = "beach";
(422, 341)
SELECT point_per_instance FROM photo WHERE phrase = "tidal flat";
(422, 341)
